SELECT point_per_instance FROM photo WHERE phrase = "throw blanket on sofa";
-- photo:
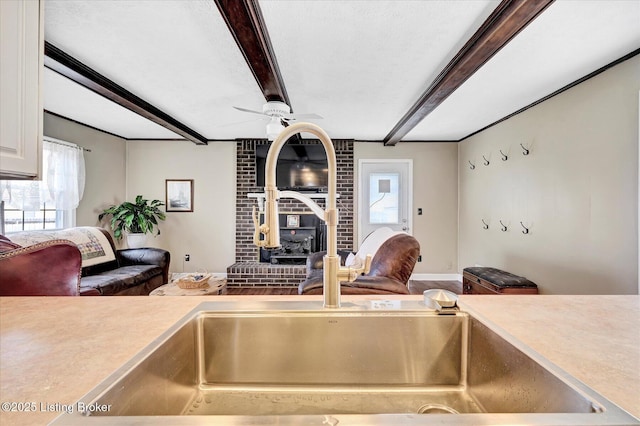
(92, 243)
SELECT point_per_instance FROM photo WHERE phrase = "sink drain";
(436, 409)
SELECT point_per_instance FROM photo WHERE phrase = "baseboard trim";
(436, 277)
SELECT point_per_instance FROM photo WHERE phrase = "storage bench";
(483, 280)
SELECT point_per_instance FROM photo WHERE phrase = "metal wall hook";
(473, 166)
(525, 151)
(486, 162)
(504, 227)
(485, 224)
(526, 230)
(504, 156)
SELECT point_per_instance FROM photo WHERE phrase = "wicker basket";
(193, 281)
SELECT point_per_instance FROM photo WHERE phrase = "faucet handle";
(367, 264)
(350, 274)
(258, 229)
(365, 268)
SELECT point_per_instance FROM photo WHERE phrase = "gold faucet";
(333, 273)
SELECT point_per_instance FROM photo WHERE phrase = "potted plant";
(135, 220)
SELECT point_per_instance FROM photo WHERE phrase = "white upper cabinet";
(21, 68)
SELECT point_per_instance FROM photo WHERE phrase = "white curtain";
(62, 184)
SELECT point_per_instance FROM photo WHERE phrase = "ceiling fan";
(279, 115)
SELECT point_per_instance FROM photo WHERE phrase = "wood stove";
(296, 243)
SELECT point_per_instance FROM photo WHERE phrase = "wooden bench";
(483, 280)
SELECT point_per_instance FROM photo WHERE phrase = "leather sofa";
(105, 270)
(391, 268)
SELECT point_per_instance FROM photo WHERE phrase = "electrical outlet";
(420, 211)
(187, 257)
(419, 258)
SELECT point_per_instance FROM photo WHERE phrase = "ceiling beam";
(507, 20)
(244, 19)
(64, 64)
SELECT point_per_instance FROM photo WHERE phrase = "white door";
(384, 195)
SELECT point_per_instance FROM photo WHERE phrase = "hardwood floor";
(415, 287)
(418, 287)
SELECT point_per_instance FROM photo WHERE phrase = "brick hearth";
(256, 274)
(248, 271)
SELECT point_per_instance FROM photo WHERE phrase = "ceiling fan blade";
(299, 116)
(249, 110)
(235, 123)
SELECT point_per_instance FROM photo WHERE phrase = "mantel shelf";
(321, 195)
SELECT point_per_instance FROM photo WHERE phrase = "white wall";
(105, 166)
(208, 233)
(577, 190)
(435, 190)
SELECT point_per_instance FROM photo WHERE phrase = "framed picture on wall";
(179, 195)
(293, 221)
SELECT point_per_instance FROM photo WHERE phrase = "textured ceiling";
(568, 41)
(359, 64)
(70, 100)
(177, 55)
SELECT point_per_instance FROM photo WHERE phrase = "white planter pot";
(136, 240)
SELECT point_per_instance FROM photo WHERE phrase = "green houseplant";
(138, 218)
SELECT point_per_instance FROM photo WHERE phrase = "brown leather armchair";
(391, 268)
(50, 268)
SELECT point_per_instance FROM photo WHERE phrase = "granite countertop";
(53, 350)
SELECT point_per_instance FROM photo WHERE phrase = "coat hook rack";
(472, 166)
(504, 156)
(526, 230)
(525, 151)
(485, 224)
(504, 227)
(486, 162)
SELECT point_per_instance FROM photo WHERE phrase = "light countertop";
(53, 350)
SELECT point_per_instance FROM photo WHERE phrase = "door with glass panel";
(384, 195)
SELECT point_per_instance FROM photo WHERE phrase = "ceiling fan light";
(275, 109)
(274, 127)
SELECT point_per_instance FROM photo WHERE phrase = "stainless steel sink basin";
(369, 363)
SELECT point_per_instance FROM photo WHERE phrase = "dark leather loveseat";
(43, 262)
(391, 268)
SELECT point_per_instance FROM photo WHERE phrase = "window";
(51, 202)
(45, 218)
(383, 193)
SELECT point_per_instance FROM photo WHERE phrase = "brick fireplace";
(247, 269)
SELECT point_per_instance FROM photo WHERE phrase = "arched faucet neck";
(271, 227)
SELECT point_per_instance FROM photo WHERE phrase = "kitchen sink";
(375, 362)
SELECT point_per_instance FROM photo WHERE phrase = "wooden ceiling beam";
(64, 64)
(506, 21)
(244, 19)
